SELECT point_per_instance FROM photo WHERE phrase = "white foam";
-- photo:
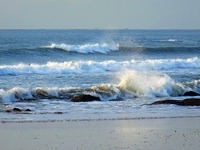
(149, 84)
(168, 64)
(86, 48)
(172, 40)
(18, 93)
(99, 67)
(194, 85)
(14, 94)
(169, 40)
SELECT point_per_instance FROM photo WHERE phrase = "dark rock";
(17, 109)
(58, 112)
(191, 102)
(185, 102)
(85, 98)
(191, 93)
(176, 102)
(28, 109)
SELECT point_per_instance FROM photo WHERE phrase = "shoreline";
(97, 119)
(160, 133)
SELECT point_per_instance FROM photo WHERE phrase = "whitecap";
(85, 48)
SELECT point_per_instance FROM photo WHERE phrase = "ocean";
(42, 70)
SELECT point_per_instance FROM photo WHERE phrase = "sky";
(99, 14)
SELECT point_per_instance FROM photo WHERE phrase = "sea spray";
(149, 84)
(192, 85)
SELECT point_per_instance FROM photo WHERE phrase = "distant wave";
(99, 67)
(102, 48)
(107, 48)
(85, 48)
(170, 40)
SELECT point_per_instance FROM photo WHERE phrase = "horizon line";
(99, 29)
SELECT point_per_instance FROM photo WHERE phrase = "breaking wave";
(132, 84)
(150, 84)
(85, 48)
(99, 67)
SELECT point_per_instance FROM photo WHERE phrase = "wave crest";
(132, 84)
(99, 67)
(85, 48)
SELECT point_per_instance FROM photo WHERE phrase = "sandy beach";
(134, 134)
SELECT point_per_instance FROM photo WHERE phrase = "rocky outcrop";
(85, 98)
(184, 102)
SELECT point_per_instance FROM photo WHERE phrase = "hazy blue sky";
(135, 14)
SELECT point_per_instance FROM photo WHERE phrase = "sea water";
(42, 70)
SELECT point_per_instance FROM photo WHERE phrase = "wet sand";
(134, 134)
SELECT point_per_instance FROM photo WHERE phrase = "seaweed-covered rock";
(85, 98)
(42, 94)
